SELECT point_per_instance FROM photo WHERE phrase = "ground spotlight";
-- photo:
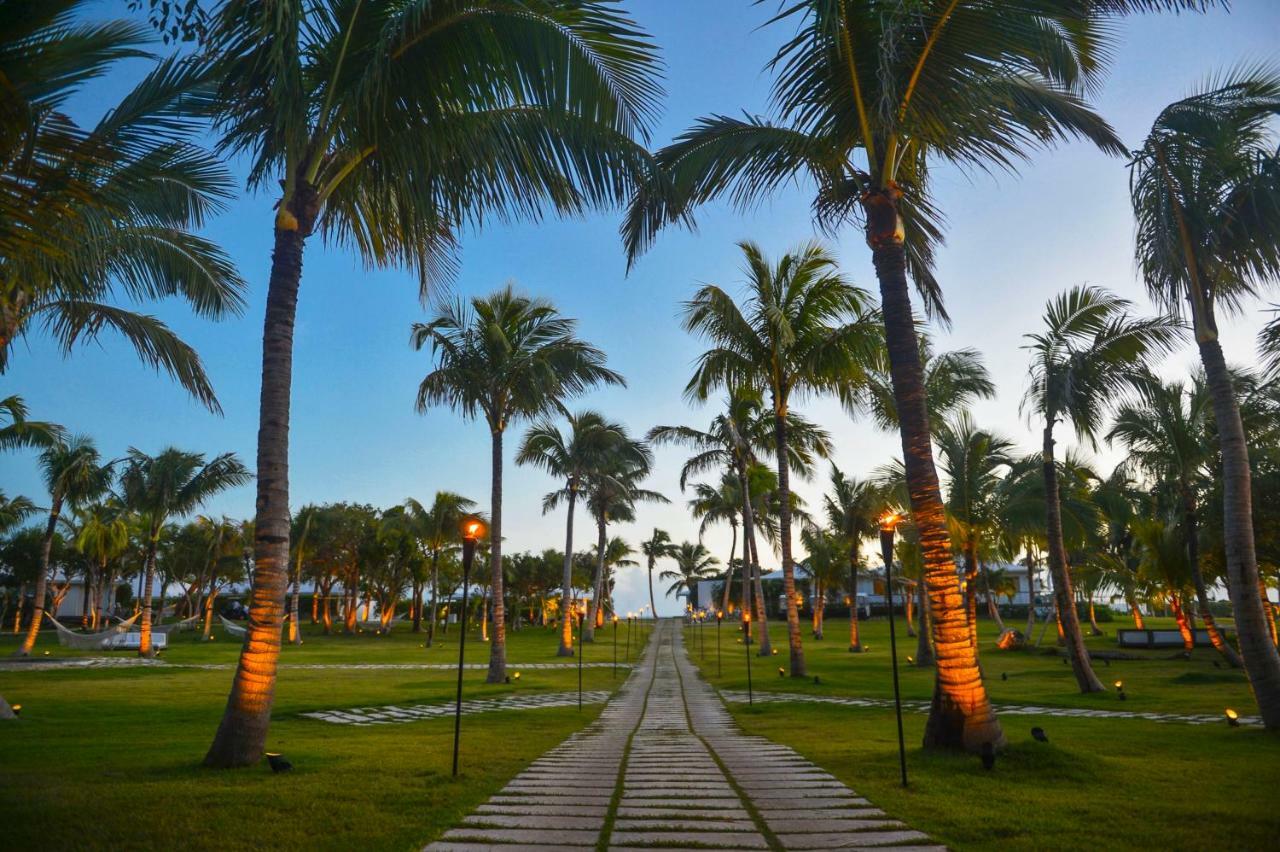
(782, 672)
(1004, 675)
(516, 675)
(278, 762)
(775, 652)
(988, 756)
(1120, 690)
(1039, 735)
(911, 659)
(1233, 718)
(817, 679)
(17, 711)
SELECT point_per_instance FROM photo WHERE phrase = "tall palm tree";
(617, 554)
(439, 528)
(390, 127)
(853, 507)
(505, 357)
(972, 461)
(613, 490)
(693, 564)
(89, 211)
(1205, 187)
(102, 536)
(657, 546)
(574, 456)
(171, 484)
(868, 96)
(299, 538)
(73, 474)
(1088, 353)
(801, 329)
(1166, 431)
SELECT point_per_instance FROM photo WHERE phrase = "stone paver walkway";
(393, 714)
(664, 766)
(1001, 709)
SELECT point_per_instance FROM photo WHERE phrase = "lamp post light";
(888, 527)
(615, 646)
(719, 666)
(746, 625)
(472, 530)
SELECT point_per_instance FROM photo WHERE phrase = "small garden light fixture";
(1233, 718)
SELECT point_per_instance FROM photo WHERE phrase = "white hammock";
(177, 626)
(232, 628)
(376, 624)
(90, 641)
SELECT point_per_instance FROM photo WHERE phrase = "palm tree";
(713, 505)
(1166, 432)
(74, 475)
(655, 547)
(693, 563)
(972, 460)
(102, 536)
(617, 554)
(853, 508)
(574, 456)
(299, 533)
(867, 96)
(1207, 202)
(389, 128)
(613, 490)
(171, 484)
(801, 329)
(506, 357)
(439, 528)
(825, 562)
(1089, 352)
(1269, 344)
(731, 442)
(953, 381)
(89, 210)
(18, 431)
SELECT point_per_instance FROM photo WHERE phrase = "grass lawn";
(109, 758)
(1097, 783)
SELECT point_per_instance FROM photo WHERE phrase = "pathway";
(664, 766)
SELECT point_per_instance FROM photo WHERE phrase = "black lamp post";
(888, 526)
(615, 646)
(582, 611)
(746, 624)
(719, 666)
(630, 618)
(472, 529)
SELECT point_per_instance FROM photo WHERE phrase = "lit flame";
(889, 521)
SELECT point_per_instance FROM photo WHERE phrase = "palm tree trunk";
(1068, 620)
(1184, 626)
(1135, 612)
(208, 615)
(971, 589)
(435, 592)
(144, 635)
(752, 565)
(1094, 629)
(910, 615)
(566, 586)
(315, 605)
(17, 612)
(417, 605)
(242, 733)
(1257, 650)
(1031, 596)
(924, 643)
(993, 609)
(784, 526)
(597, 585)
(855, 641)
(295, 628)
(1269, 610)
(42, 583)
(498, 647)
(728, 577)
(961, 715)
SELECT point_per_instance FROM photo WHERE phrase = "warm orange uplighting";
(17, 709)
(889, 521)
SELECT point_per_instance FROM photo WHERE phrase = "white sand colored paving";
(664, 766)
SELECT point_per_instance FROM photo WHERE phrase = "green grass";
(109, 758)
(1097, 783)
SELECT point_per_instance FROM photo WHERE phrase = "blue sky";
(1012, 243)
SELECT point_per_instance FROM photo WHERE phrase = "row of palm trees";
(101, 501)
(390, 128)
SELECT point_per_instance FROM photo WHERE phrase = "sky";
(1013, 242)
